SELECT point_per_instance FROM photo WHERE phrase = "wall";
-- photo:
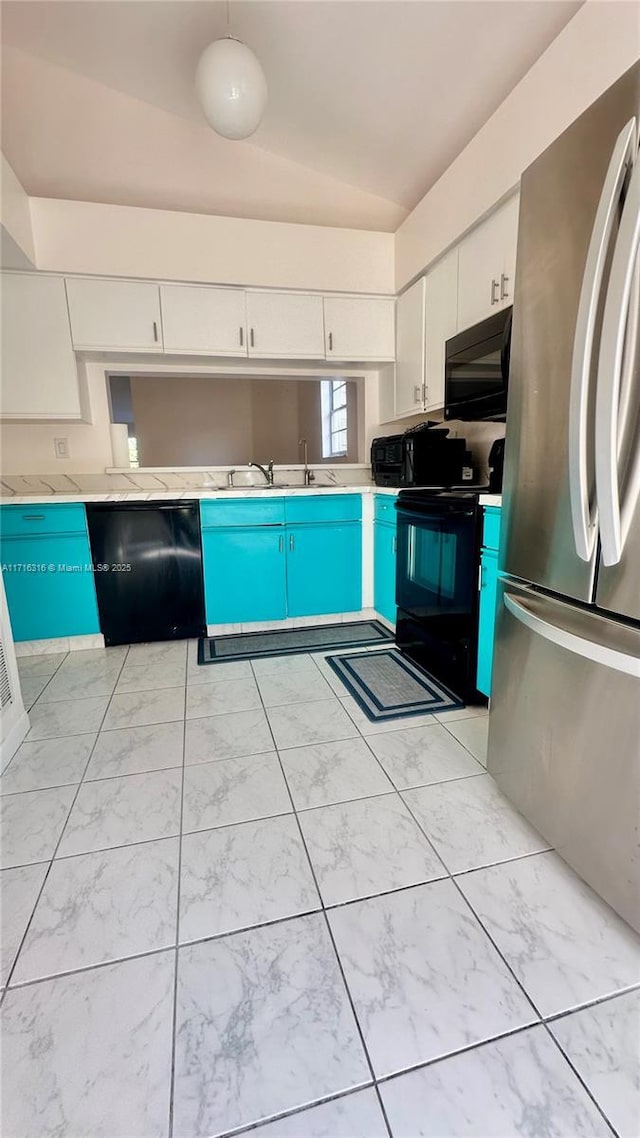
(15, 215)
(597, 46)
(186, 422)
(85, 237)
(27, 448)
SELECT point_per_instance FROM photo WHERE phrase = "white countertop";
(490, 499)
(213, 493)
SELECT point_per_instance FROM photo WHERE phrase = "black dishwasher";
(147, 562)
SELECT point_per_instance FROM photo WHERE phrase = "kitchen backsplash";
(167, 481)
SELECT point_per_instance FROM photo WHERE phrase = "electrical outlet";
(61, 447)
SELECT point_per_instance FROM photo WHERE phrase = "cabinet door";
(114, 314)
(410, 351)
(210, 321)
(441, 322)
(384, 570)
(359, 327)
(487, 618)
(324, 569)
(509, 243)
(50, 586)
(39, 371)
(285, 325)
(244, 574)
(485, 255)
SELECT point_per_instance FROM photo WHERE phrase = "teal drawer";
(384, 508)
(491, 527)
(28, 521)
(324, 508)
(242, 512)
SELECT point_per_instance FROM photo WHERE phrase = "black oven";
(439, 538)
(476, 375)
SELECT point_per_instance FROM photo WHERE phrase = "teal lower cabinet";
(49, 584)
(324, 568)
(268, 559)
(244, 574)
(487, 618)
(384, 569)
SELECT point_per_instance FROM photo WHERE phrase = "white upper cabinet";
(410, 351)
(203, 320)
(441, 322)
(39, 369)
(359, 327)
(284, 325)
(114, 315)
(486, 267)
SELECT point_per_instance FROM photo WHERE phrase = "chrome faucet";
(309, 476)
(268, 472)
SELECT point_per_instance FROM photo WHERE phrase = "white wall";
(597, 46)
(85, 237)
(15, 211)
(27, 448)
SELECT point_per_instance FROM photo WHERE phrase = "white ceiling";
(369, 100)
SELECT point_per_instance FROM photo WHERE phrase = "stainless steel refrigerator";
(564, 731)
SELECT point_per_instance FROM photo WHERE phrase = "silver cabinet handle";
(251, 338)
(615, 397)
(417, 393)
(291, 542)
(281, 544)
(241, 336)
(394, 545)
(155, 331)
(504, 281)
(330, 341)
(33, 517)
(571, 641)
(495, 292)
(584, 515)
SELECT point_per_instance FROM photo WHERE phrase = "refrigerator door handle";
(617, 404)
(583, 511)
(571, 641)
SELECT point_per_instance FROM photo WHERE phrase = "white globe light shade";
(232, 88)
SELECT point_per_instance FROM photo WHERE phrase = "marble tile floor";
(229, 905)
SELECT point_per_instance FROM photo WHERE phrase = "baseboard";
(59, 644)
(10, 742)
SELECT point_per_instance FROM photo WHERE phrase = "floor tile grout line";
(581, 1080)
(269, 1119)
(174, 1010)
(480, 922)
(327, 925)
(55, 850)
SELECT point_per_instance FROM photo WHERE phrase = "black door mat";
(386, 685)
(289, 641)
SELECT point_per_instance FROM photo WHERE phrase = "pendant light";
(231, 87)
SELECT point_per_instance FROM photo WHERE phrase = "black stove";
(439, 540)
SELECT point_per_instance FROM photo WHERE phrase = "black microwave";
(476, 376)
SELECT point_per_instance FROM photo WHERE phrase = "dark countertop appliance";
(496, 466)
(476, 376)
(422, 456)
(148, 570)
(439, 539)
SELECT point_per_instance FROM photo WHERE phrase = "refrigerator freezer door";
(564, 735)
(560, 196)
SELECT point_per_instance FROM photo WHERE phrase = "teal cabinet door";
(324, 568)
(487, 618)
(384, 570)
(244, 574)
(50, 586)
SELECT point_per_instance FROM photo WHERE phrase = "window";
(334, 418)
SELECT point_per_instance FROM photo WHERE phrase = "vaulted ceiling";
(369, 100)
